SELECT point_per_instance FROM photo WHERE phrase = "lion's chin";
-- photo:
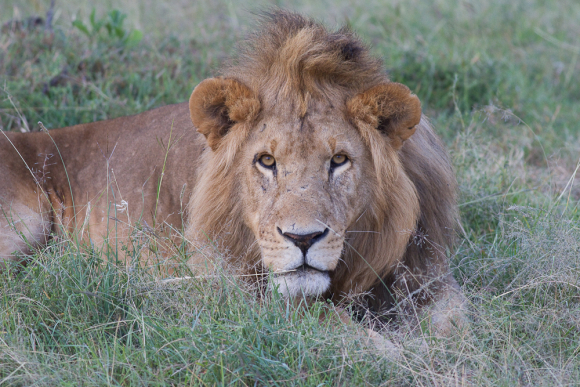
(302, 283)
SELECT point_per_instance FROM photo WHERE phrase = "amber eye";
(338, 160)
(267, 161)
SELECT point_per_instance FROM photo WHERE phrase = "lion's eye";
(267, 161)
(338, 160)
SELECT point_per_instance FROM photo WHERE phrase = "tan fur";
(384, 220)
(114, 169)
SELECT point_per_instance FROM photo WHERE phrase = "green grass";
(500, 82)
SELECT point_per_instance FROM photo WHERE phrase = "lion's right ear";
(217, 104)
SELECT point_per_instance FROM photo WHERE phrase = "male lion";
(307, 162)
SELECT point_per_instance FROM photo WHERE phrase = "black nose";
(304, 241)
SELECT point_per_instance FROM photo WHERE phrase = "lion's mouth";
(306, 268)
(304, 280)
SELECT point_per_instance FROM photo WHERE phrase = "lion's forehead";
(311, 137)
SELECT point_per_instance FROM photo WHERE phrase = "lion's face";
(305, 182)
(300, 181)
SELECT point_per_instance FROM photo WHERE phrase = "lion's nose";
(304, 241)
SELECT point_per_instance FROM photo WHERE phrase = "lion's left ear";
(217, 104)
(390, 108)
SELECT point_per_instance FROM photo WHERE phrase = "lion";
(301, 160)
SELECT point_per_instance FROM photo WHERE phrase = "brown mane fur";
(294, 58)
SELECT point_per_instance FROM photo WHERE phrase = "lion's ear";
(390, 108)
(217, 104)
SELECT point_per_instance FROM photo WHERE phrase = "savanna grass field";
(500, 82)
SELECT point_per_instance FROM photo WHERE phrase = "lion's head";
(302, 173)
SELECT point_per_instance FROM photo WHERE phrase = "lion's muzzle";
(304, 241)
(302, 274)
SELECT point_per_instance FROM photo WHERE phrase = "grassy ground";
(498, 78)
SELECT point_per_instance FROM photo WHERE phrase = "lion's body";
(109, 163)
(261, 179)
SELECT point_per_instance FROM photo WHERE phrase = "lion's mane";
(292, 56)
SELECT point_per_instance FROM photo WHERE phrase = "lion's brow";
(338, 144)
(332, 144)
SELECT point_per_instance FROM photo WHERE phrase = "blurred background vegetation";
(458, 56)
(500, 81)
